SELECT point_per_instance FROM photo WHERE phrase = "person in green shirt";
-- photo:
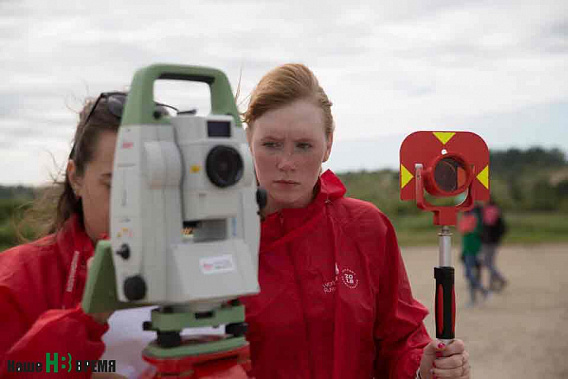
(470, 226)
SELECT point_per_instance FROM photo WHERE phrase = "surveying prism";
(444, 164)
(184, 226)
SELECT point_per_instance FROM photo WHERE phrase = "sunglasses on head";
(115, 105)
(115, 102)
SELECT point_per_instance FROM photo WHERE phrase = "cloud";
(553, 39)
(388, 67)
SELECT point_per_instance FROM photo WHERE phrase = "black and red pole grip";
(445, 303)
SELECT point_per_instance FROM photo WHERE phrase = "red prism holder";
(444, 164)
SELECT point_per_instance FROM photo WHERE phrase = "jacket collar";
(72, 237)
(328, 188)
(76, 248)
(331, 186)
(291, 223)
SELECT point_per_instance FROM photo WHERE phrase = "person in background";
(470, 227)
(335, 299)
(493, 229)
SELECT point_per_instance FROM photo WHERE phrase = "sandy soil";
(519, 333)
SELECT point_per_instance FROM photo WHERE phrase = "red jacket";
(41, 286)
(335, 300)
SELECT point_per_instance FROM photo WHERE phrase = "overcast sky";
(497, 68)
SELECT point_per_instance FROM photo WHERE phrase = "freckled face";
(94, 186)
(288, 145)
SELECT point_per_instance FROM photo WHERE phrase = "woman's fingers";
(452, 361)
(458, 373)
(454, 347)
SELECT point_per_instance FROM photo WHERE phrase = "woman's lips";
(286, 182)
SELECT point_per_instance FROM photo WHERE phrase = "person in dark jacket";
(493, 230)
(335, 300)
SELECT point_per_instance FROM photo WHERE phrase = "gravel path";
(519, 333)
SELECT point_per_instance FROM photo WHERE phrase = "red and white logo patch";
(349, 278)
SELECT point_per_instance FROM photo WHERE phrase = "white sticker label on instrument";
(217, 265)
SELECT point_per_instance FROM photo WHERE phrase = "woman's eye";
(270, 144)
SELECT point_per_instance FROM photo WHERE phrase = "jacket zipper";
(300, 297)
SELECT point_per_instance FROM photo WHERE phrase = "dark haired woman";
(42, 282)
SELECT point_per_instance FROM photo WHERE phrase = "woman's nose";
(286, 161)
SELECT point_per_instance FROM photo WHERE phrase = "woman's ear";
(329, 144)
(74, 179)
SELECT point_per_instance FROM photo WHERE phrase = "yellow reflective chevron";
(483, 177)
(444, 137)
(405, 176)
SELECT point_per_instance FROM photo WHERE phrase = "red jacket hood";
(328, 188)
(289, 223)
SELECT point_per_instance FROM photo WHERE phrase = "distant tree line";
(534, 179)
(511, 161)
(16, 192)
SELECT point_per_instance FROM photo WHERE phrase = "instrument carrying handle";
(139, 109)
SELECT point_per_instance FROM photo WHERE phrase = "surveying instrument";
(444, 164)
(184, 227)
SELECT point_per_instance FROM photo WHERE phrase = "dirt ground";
(519, 333)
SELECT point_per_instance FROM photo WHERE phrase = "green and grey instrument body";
(163, 182)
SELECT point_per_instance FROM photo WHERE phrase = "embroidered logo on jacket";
(348, 277)
(329, 287)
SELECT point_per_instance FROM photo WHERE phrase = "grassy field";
(416, 230)
(9, 209)
(522, 228)
(7, 235)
